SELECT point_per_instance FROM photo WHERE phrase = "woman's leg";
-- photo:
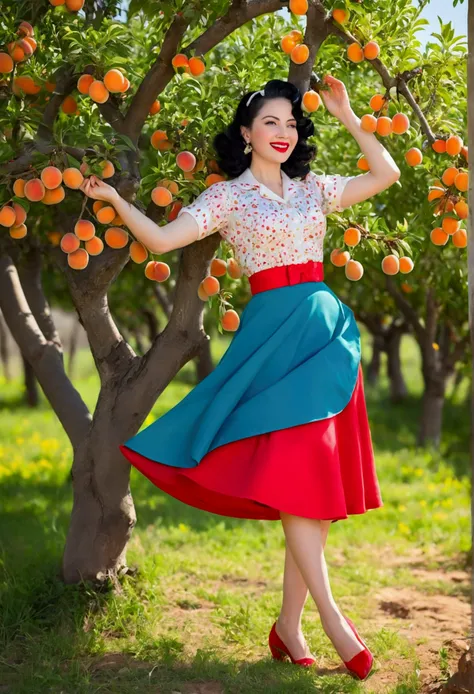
(295, 593)
(304, 539)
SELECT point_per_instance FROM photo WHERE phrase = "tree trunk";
(103, 514)
(398, 387)
(30, 383)
(74, 334)
(373, 370)
(204, 363)
(431, 422)
(4, 355)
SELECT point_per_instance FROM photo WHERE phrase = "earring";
(248, 148)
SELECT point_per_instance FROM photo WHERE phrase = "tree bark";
(373, 370)
(204, 363)
(30, 383)
(431, 423)
(398, 387)
(4, 354)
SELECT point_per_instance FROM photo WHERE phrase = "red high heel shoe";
(361, 663)
(279, 650)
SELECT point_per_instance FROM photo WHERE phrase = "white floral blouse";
(264, 229)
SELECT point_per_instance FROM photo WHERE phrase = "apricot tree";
(138, 103)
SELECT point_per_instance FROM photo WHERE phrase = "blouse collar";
(247, 180)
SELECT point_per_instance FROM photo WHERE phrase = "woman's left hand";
(335, 98)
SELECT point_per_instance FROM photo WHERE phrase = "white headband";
(262, 92)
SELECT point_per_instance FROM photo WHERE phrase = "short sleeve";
(210, 209)
(328, 190)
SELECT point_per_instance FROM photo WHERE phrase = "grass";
(206, 589)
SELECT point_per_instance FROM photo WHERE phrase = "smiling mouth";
(279, 147)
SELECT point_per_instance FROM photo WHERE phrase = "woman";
(279, 429)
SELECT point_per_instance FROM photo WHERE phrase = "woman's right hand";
(97, 189)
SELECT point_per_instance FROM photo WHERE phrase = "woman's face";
(274, 123)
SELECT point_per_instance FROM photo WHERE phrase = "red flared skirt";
(323, 469)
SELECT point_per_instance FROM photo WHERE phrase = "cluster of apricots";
(357, 53)
(290, 44)
(193, 66)
(162, 194)
(19, 50)
(71, 5)
(114, 82)
(392, 264)
(447, 192)
(210, 286)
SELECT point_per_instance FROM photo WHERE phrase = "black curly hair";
(229, 144)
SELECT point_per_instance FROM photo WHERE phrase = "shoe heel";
(277, 654)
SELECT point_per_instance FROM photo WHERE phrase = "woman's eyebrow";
(268, 116)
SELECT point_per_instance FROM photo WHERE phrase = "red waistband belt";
(283, 275)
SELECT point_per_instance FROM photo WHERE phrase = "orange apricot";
(390, 264)
(201, 293)
(339, 258)
(405, 287)
(462, 209)
(434, 194)
(19, 187)
(384, 126)
(154, 108)
(311, 100)
(7, 216)
(51, 177)
(138, 252)
(20, 214)
(368, 122)
(18, 232)
(157, 271)
(113, 80)
(54, 237)
(371, 50)
(439, 237)
(406, 264)
(460, 238)
(363, 164)
(69, 243)
(25, 28)
(461, 181)
(450, 224)
(94, 246)
(69, 105)
(212, 178)
(158, 136)
(98, 205)
(351, 236)
(84, 82)
(161, 196)
(98, 92)
(34, 190)
(186, 161)
(79, 259)
(439, 146)
(300, 53)
(354, 270)
(355, 52)
(340, 16)
(108, 169)
(296, 35)
(211, 285)
(180, 60)
(465, 152)
(54, 196)
(230, 320)
(84, 229)
(75, 5)
(454, 145)
(449, 175)
(72, 178)
(196, 66)
(400, 123)
(115, 237)
(218, 267)
(298, 6)
(414, 156)
(6, 63)
(377, 102)
(27, 84)
(106, 214)
(233, 269)
(287, 44)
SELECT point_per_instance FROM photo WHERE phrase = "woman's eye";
(273, 123)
